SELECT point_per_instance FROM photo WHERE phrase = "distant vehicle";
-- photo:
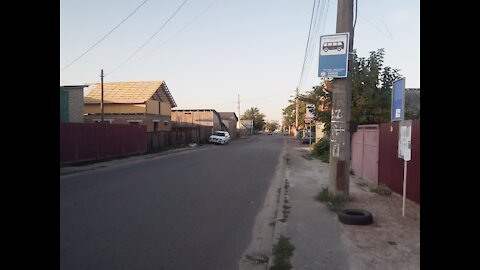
(333, 46)
(308, 137)
(270, 133)
(219, 137)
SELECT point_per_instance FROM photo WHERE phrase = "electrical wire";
(356, 12)
(308, 42)
(96, 43)
(174, 35)
(149, 39)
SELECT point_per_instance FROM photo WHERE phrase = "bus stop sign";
(333, 59)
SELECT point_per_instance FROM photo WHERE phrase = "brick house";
(146, 103)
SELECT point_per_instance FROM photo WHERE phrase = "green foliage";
(282, 251)
(372, 88)
(334, 202)
(258, 118)
(289, 114)
(321, 150)
(371, 94)
(271, 126)
(382, 190)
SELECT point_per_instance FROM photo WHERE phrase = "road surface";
(188, 210)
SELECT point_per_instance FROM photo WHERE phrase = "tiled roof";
(128, 92)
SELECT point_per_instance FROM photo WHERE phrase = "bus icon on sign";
(333, 46)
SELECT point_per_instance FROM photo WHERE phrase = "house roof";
(129, 92)
(228, 116)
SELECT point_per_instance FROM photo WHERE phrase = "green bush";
(334, 202)
(382, 190)
(321, 150)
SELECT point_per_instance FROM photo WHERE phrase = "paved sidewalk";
(322, 242)
(312, 228)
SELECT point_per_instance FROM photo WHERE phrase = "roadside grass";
(382, 190)
(282, 251)
(334, 203)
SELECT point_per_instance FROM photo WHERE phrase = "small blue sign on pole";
(333, 59)
(398, 100)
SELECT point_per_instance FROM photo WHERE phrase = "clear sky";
(211, 51)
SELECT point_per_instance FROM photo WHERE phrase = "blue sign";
(333, 59)
(398, 100)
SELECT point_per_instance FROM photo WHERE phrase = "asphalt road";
(188, 210)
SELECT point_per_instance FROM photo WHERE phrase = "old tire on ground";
(355, 217)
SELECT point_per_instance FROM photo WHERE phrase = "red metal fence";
(91, 141)
(390, 167)
(178, 136)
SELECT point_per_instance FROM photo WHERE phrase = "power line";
(96, 43)
(149, 39)
(372, 24)
(318, 22)
(308, 41)
(253, 99)
(320, 18)
(178, 32)
(356, 14)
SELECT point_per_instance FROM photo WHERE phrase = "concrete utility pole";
(339, 180)
(296, 110)
(101, 102)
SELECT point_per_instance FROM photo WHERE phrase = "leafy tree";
(271, 126)
(372, 88)
(371, 94)
(320, 97)
(258, 118)
(289, 114)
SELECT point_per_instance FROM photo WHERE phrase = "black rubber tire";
(355, 217)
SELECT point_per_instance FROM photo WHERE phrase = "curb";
(280, 228)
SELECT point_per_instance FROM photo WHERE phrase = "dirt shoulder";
(392, 241)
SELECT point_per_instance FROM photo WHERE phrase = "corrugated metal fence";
(91, 141)
(365, 152)
(390, 167)
(178, 136)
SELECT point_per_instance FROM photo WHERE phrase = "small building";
(71, 103)
(198, 117)
(230, 120)
(146, 103)
(207, 119)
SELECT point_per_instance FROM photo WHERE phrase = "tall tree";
(372, 88)
(272, 126)
(258, 118)
(371, 93)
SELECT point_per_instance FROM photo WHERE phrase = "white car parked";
(219, 137)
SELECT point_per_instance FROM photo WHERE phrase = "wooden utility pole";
(101, 102)
(339, 180)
